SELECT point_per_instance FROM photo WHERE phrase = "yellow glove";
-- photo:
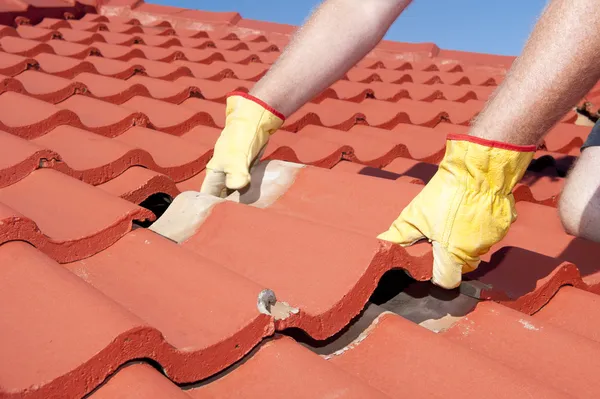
(249, 123)
(467, 207)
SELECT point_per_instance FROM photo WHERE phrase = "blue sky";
(487, 26)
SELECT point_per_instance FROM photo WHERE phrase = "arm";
(468, 206)
(558, 66)
(338, 35)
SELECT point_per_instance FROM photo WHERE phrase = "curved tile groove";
(316, 250)
(137, 184)
(122, 330)
(73, 221)
(19, 157)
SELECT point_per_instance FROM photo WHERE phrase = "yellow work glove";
(249, 123)
(467, 206)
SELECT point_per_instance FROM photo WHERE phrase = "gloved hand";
(467, 206)
(249, 123)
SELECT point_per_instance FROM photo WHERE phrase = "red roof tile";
(12, 65)
(109, 114)
(324, 308)
(297, 366)
(544, 346)
(49, 88)
(20, 157)
(137, 184)
(139, 379)
(394, 341)
(73, 221)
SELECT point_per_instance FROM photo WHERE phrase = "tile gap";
(340, 340)
(586, 111)
(422, 303)
(390, 285)
(426, 304)
(156, 203)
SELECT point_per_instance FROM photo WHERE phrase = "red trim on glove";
(490, 143)
(259, 102)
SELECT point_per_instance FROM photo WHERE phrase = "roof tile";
(167, 117)
(139, 379)
(40, 118)
(393, 341)
(565, 309)
(63, 66)
(102, 117)
(323, 311)
(57, 334)
(161, 70)
(77, 36)
(35, 33)
(74, 50)
(173, 156)
(20, 157)
(91, 157)
(298, 148)
(137, 184)
(49, 88)
(116, 68)
(74, 219)
(11, 64)
(218, 70)
(298, 366)
(544, 345)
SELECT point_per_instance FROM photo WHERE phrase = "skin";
(557, 67)
(337, 35)
(579, 205)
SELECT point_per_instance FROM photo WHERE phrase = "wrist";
(491, 143)
(257, 101)
(484, 165)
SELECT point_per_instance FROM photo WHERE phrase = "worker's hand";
(467, 206)
(248, 125)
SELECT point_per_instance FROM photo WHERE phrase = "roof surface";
(108, 113)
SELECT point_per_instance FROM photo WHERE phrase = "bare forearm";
(558, 66)
(337, 36)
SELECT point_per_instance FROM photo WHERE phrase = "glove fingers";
(237, 180)
(447, 268)
(234, 177)
(214, 183)
(238, 176)
(401, 232)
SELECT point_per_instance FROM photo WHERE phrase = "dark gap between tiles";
(422, 301)
(397, 293)
(551, 166)
(588, 113)
(390, 284)
(343, 338)
(157, 204)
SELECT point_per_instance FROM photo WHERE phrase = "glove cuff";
(257, 101)
(491, 143)
(485, 165)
